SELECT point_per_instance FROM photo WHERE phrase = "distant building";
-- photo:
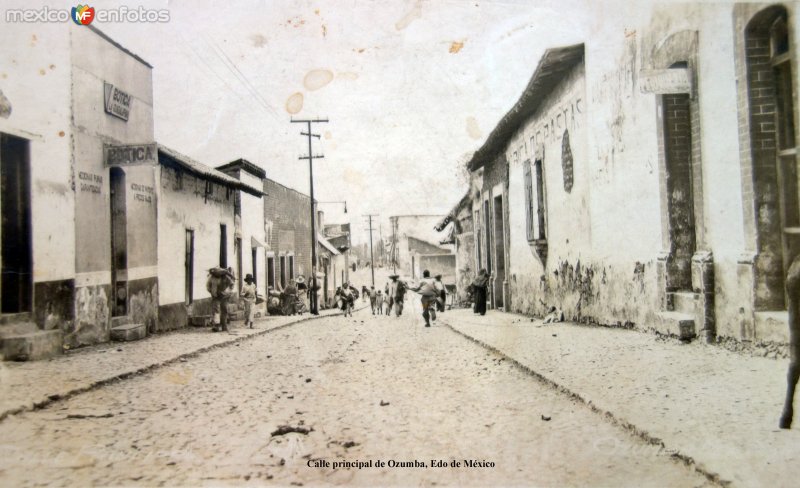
(287, 225)
(413, 236)
(458, 224)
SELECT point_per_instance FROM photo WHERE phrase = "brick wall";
(757, 136)
(287, 214)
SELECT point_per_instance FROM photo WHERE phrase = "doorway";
(679, 187)
(499, 252)
(119, 243)
(189, 267)
(17, 249)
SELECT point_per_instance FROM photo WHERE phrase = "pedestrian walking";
(441, 299)
(429, 294)
(399, 295)
(249, 295)
(364, 293)
(379, 302)
(478, 290)
(220, 286)
(387, 304)
(373, 298)
(387, 298)
(289, 298)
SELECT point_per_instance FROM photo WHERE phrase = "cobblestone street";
(366, 389)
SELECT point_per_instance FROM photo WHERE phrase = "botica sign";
(130, 154)
(117, 102)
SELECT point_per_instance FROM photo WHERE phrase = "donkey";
(793, 292)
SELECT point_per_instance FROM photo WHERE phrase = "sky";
(410, 89)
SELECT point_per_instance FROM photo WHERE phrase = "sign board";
(666, 81)
(117, 102)
(130, 154)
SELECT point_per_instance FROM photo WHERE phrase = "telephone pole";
(311, 157)
(371, 257)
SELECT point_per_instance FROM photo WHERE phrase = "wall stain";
(410, 17)
(294, 103)
(259, 40)
(456, 46)
(317, 78)
(472, 128)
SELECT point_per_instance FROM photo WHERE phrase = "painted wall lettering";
(142, 193)
(90, 182)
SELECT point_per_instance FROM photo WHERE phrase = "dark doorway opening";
(271, 272)
(119, 242)
(223, 246)
(499, 252)
(189, 266)
(680, 196)
(254, 255)
(17, 246)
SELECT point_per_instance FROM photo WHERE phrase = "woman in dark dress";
(479, 291)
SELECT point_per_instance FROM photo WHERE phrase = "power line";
(371, 256)
(228, 63)
(311, 157)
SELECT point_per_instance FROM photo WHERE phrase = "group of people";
(289, 300)
(346, 296)
(220, 285)
(432, 291)
(391, 297)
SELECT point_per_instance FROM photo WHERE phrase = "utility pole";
(371, 257)
(311, 157)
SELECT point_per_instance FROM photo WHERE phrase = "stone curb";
(619, 422)
(50, 400)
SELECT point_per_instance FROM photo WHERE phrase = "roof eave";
(553, 65)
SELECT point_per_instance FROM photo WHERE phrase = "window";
(477, 231)
(223, 246)
(487, 228)
(539, 231)
(189, 266)
(529, 209)
(271, 272)
(283, 271)
(254, 254)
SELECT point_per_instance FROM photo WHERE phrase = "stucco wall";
(185, 206)
(36, 80)
(92, 128)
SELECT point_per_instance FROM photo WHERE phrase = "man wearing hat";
(397, 292)
(249, 297)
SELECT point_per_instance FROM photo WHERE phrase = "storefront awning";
(327, 245)
(256, 243)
